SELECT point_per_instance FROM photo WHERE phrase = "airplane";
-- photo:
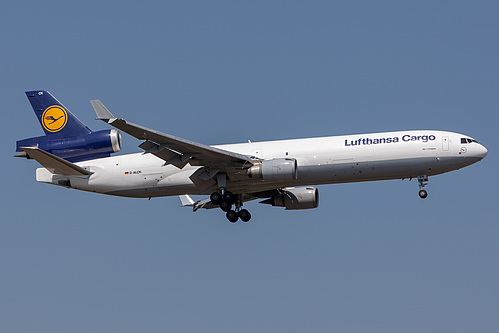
(283, 173)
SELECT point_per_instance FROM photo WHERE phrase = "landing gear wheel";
(229, 197)
(225, 206)
(232, 216)
(244, 215)
(216, 198)
(423, 181)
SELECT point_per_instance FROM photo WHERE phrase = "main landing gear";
(423, 181)
(225, 199)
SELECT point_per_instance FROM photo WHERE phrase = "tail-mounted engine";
(77, 148)
(294, 198)
(275, 169)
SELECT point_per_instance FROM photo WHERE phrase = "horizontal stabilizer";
(54, 164)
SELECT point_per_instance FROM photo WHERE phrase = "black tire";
(225, 206)
(229, 197)
(216, 198)
(423, 194)
(232, 216)
(244, 215)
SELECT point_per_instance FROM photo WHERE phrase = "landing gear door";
(445, 143)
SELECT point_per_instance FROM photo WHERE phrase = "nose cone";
(476, 152)
(481, 151)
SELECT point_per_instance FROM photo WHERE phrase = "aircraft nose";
(482, 151)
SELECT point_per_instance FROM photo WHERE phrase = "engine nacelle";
(275, 169)
(78, 148)
(294, 198)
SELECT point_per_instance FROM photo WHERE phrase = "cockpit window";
(468, 140)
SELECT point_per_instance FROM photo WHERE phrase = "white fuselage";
(325, 160)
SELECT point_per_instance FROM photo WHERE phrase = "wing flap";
(163, 152)
(55, 164)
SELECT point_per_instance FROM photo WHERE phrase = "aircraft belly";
(154, 184)
(374, 170)
(146, 192)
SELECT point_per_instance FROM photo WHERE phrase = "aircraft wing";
(172, 149)
(55, 164)
(187, 201)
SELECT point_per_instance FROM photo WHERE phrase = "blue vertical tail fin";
(55, 119)
(65, 135)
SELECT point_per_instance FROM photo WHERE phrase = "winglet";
(101, 111)
(186, 200)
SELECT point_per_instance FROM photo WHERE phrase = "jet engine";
(294, 198)
(275, 169)
(77, 148)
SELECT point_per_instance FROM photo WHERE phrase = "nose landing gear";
(423, 181)
(225, 199)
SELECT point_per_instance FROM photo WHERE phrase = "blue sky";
(373, 257)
